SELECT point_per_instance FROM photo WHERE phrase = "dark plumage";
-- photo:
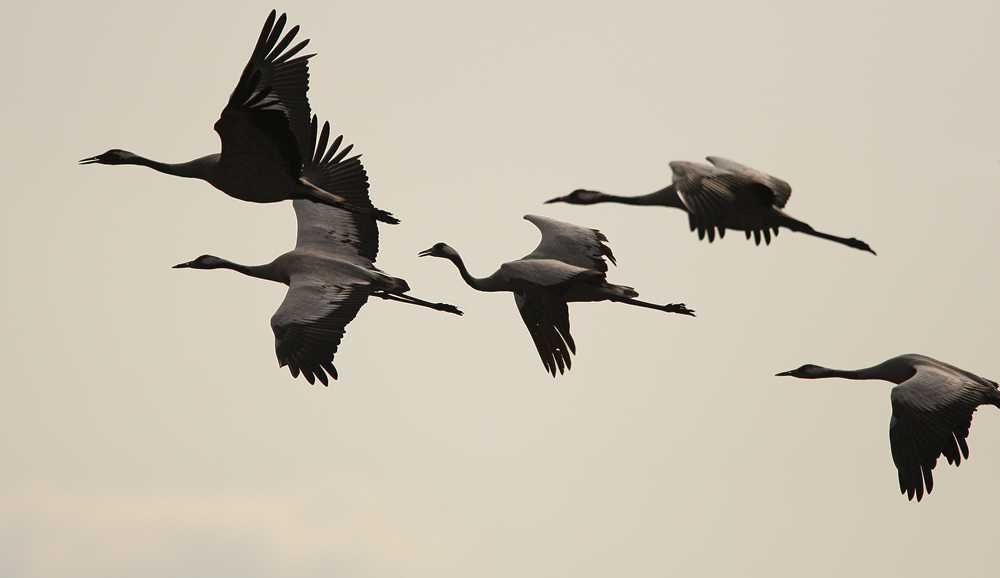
(932, 407)
(568, 265)
(264, 130)
(725, 196)
(330, 273)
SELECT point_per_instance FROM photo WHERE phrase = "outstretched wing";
(544, 272)
(931, 415)
(569, 243)
(707, 192)
(331, 230)
(310, 323)
(546, 316)
(782, 191)
(268, 110)
(710, 194)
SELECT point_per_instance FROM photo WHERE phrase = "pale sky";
(146, 429)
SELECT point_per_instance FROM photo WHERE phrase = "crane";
(567, 266)
(932, 407)
(329, 273)
(264, 131)
(727, 195)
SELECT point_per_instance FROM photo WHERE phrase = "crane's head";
(203, 262)
(112, 157)
(578, 197)
(439, 250)
(807, 371)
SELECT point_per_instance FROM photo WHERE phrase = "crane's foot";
(859, 244)
(449, 308)
(678, 308)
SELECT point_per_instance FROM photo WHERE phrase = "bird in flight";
(567, 266)
(724, 195)
(330, 272)
(932, 407)
(264, 131)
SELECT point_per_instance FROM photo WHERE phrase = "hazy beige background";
(146, 430)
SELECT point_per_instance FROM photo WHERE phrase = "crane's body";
(264, 130)
(567, 266)
(721, 196)
(932, 407)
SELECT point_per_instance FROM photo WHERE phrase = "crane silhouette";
(932, 407)
(727, 195)
(329, 274)
(264, 131)
(567, 266)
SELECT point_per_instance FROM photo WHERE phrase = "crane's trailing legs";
(413, 300)
(800, 227)
(669, 307)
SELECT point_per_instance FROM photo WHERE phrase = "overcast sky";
(146, 429)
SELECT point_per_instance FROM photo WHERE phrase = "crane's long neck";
(666, 197)
(894, 370)
(494, 282)
(268, 271)
(200, 168)
(823, 372)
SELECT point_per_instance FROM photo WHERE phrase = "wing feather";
(546, 316)
(931, 415)
(781, 190)
(330, 230)
(310, 323)
(270, 97)
(707, 193)
(570, 244)
(543, 272)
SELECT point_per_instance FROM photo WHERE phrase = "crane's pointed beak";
(89, 160)
(784, 373)
(182, 265)
(425, 253)
(555, 200)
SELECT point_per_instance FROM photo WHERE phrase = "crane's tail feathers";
(384, 216)
(622, 291)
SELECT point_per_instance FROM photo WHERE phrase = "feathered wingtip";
(605, 250)
(266, 49)
(313, 374)
(322, 155)
(559, 355)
